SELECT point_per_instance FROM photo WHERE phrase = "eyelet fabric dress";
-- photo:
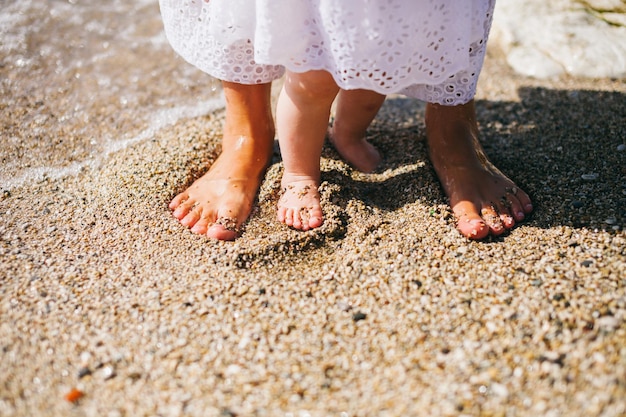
(432, 50)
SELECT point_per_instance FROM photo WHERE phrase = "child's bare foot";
(302, 113)
(299, 206)
(482, 198)
(220, 201)
(355, 111)
(358, 152)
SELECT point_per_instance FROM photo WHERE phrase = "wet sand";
(385, 310)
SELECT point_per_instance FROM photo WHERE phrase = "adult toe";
(191, 218)
(178, 200)
(219, 232)
(469, 222)
(224, 228)
(493, 220)
(201, 226)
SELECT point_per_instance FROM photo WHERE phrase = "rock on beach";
(582, 38)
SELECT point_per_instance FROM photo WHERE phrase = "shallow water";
(80, 80)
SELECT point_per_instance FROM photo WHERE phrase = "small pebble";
(358, 316)
(577, 204)
(589, 177)
(587, 263)
(609, 323)
(621, 147)
(74, 395)
(499, 390)
(85, 358)
(83, 372)
(343, 306)
(108, 372)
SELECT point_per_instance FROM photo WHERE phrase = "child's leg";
(220, 201)
(302, 115)
(355, 111)
(482, 198)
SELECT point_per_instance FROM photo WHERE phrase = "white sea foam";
(159, 120)
(101, 66)
(165, 118)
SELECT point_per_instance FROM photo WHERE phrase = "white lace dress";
(429, 49)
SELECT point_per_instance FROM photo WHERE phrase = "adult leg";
(221, 200)
(302, 115)
(482, 198)
(354, 113)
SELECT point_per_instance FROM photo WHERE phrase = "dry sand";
(384, 311)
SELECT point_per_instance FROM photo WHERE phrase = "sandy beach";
(386, 310)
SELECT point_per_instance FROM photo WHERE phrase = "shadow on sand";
(565, 148)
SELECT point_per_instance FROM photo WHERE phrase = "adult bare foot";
(299, 206)
(483, 199)
(220, 201)
(355, 111)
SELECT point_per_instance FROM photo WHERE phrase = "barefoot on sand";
(220, 201)
(355, 111)
(357, 152)
(482, 198)
(299, 206)
(217, 203)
